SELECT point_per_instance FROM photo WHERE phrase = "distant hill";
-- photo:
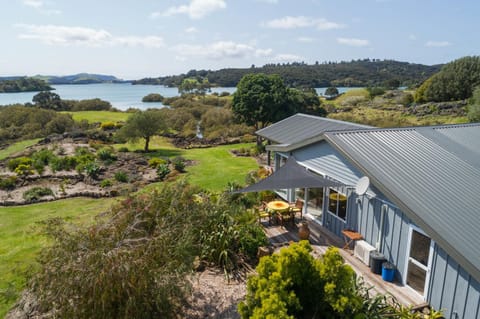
(364, 72)
(81, 78)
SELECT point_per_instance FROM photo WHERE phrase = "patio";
(321, 239)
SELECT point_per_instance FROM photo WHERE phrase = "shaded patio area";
(321, 238)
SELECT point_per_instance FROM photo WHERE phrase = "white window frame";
(427, 268)
(335, 214)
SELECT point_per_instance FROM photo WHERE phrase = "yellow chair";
(285, 217)
(261, 212)
(297, 207)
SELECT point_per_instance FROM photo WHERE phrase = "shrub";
(156, 161)
(35, 193)
(24, 170)
(82, 151)
(8, 182)
(121, 177)
(292, 284)
(250, 238)
(91, 105)
(91, 169)
(43, 156)
(133, 266)
(14, 163)
(65, 163)
(179, 164)
(106, 183)
(106, 155)
(352, 101)
(162, 171)
(106, 126)
(123, 149)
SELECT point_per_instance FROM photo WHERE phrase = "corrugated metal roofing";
(430, 174)
(300, 127)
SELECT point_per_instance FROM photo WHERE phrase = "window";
(337, 204)
(279, 162)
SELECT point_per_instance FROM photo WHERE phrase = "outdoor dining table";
(279, 208)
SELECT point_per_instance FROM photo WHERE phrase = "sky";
(133, 39)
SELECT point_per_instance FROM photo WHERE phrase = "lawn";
(17, 147)
(20, 240)
(99, 116)
(213, 167)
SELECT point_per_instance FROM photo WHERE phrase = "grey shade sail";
(290, 175)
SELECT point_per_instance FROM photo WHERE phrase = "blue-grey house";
(422, 209)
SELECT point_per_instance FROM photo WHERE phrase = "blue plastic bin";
(388, 271)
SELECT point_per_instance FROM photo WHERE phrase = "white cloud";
(286, 57)
(64, 35)
(353, 42)
(40, 6)
(221, 50)
(33, 3)
(196, 9)
(305, 39)
(134, 41)
(437, 44)
(289, 22)
(191, 30)
(268, 1)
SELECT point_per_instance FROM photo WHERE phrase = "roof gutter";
(297, 145)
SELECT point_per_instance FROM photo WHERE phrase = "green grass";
(20, 240)
(213, 167)
(17, 147)
(99, 116)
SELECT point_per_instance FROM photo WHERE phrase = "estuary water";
(121, 95)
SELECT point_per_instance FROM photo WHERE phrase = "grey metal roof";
(300, 127)
(432, 174)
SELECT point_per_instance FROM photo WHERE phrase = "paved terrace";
(321, 238)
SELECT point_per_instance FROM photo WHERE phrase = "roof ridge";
(406, 128)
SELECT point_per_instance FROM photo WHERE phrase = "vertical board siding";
(452, 288)
(395, 230)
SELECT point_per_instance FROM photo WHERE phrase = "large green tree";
(261, 99)
(143, 124)
(48, 100)
(455, 81)
(305, 101)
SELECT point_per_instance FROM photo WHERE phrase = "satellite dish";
(362, 185)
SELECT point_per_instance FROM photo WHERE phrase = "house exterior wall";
(364, 214)
(450, 287)
(323, 159)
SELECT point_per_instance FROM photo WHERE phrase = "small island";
(24, 84)
(152, 97)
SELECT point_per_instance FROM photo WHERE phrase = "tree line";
(364, 72)
(23, 84)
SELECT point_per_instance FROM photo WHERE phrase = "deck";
(321, 238)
